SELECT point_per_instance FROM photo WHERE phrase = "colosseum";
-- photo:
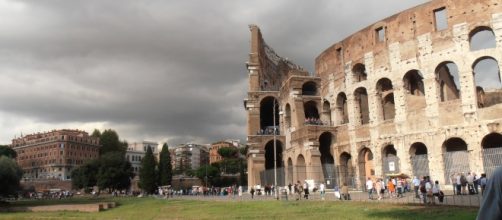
(417, 93)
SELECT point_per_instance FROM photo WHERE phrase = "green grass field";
(150, 208)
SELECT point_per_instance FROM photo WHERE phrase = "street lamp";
(275, 153)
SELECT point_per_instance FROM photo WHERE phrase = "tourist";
(322, 190)
(399, 187)
(369, 187)
(416, 185)
(436, 192)
(306, 190)
(458, 183)
(482, 182)
(299, 190)
(391, 188)
(252, 192)
(428, 188)
(470, 183)
(345, 192)
(463, 183)
(378, 188)
(476, 182)
(491, 205)
(289, 189)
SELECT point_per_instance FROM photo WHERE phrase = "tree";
(228, 152)
(114, 172)
(7, 151)
(211, 172)
(147, 178)
(110, 142)
(85, 176)
(96, 133)
(165, 166)
(10, 175)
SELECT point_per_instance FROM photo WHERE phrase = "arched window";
(342, 116)
(448, 81)
(386, 98)
(482, 37)
(309, 88)
(487, 80)
(267, 114)
(326, 113)
(413, 83)
(310, 109)
(359, 72)
(362, 106)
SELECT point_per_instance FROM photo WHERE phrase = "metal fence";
(420, 164)
(455, 162)
(492, 158)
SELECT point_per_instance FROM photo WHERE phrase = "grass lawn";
(150, 208)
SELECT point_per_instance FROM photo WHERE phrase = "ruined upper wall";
(403, 28)
(271, 69)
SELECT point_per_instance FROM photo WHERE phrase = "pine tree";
(165, 167)
(147, 178)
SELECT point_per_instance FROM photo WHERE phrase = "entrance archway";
(301, 168)
(390, 161)
(269, 175)
(347, 170)
(419, 159)
(366, 166)
(290, 171)
(267, 114)
(327, 160)
(492, 152)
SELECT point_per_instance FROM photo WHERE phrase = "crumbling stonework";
(408, 94)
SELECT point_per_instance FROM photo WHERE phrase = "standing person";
(470, 183)
(491, 205)
(399, 187)
(423, 189)
(345, 192)
(428, 188)
(322, 190)
(378, 188)
(391, 188)
(435, 192)
(476, 182)
(289, 188)
(482, 182)
(252, 192)
(299, 190)
(463, 183)
(240, 191)
(306, 190)
(453, 180)
(416, 185)
(458, 183)
(369, 187)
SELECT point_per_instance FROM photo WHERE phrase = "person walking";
(378, 188)
(252, 192)
(369, 187)
(345, 192)
(416, 185)
(391, 188)
(306, 190)
(322, 190)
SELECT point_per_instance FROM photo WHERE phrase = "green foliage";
(110, 142)
(96, 133)
(7, 151)
(165, 167)
(10, 175)
(228, 152)
(114, 172)
(147, 177)
(85, 176)
(211, 172)
(244, 150)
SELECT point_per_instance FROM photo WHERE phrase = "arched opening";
(413, 83)
(362, 108)
(456, 158)
(447, 81)
(290, 171)
(327, 160)
(419, 159)
(487, 80)
(341, 109)
(309, 88)
(359, 72)
(390, 161)
(287, 115)
(492, 152)
(385, 94)
(482, 37)
(366, 166)
(311, 113)
(268, 176)
(267, 115)
(301, 168)
(326, 113)
(347, 170)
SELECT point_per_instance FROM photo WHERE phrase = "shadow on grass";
(425, 212)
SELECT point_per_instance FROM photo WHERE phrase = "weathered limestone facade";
(407, 94)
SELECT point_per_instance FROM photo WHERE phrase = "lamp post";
(275, 153)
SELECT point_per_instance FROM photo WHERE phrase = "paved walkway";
(408, 198)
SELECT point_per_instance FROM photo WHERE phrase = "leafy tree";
(211, 172)
(147, 178)
(110, 142)
(228, 152)
(7, 151)
(10, 175)
(114, 172)
(96, 133)
(85, 176)
(165, 167)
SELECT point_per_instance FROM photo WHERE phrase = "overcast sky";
(154, 70)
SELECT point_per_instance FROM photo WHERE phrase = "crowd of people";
(395, 187)
(468, 184)
(314, 121)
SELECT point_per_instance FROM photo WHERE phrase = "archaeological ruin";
(418, 93)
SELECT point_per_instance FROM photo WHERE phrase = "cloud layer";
(154, 70)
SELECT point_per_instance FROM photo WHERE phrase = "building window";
(380, 34)
(440, 19)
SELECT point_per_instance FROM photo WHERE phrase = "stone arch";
(287, 115)
(366, 165)
(385, 95)
(342, 116)
(456, 157)
(492, 152)
(267, 113)
(413, 83)
(362, 106)
(419, 159)
(359, 72)
(327, 160)
(301, 168)
(482, 37)
(326, 112)
(269, 174)
(310, 109)
(390, 160)
(487, 81)
(309, 88)
(346, 170)
(448, 81)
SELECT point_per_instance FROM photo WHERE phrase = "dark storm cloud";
(154, 70)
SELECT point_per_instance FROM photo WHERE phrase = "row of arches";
(455, 157)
